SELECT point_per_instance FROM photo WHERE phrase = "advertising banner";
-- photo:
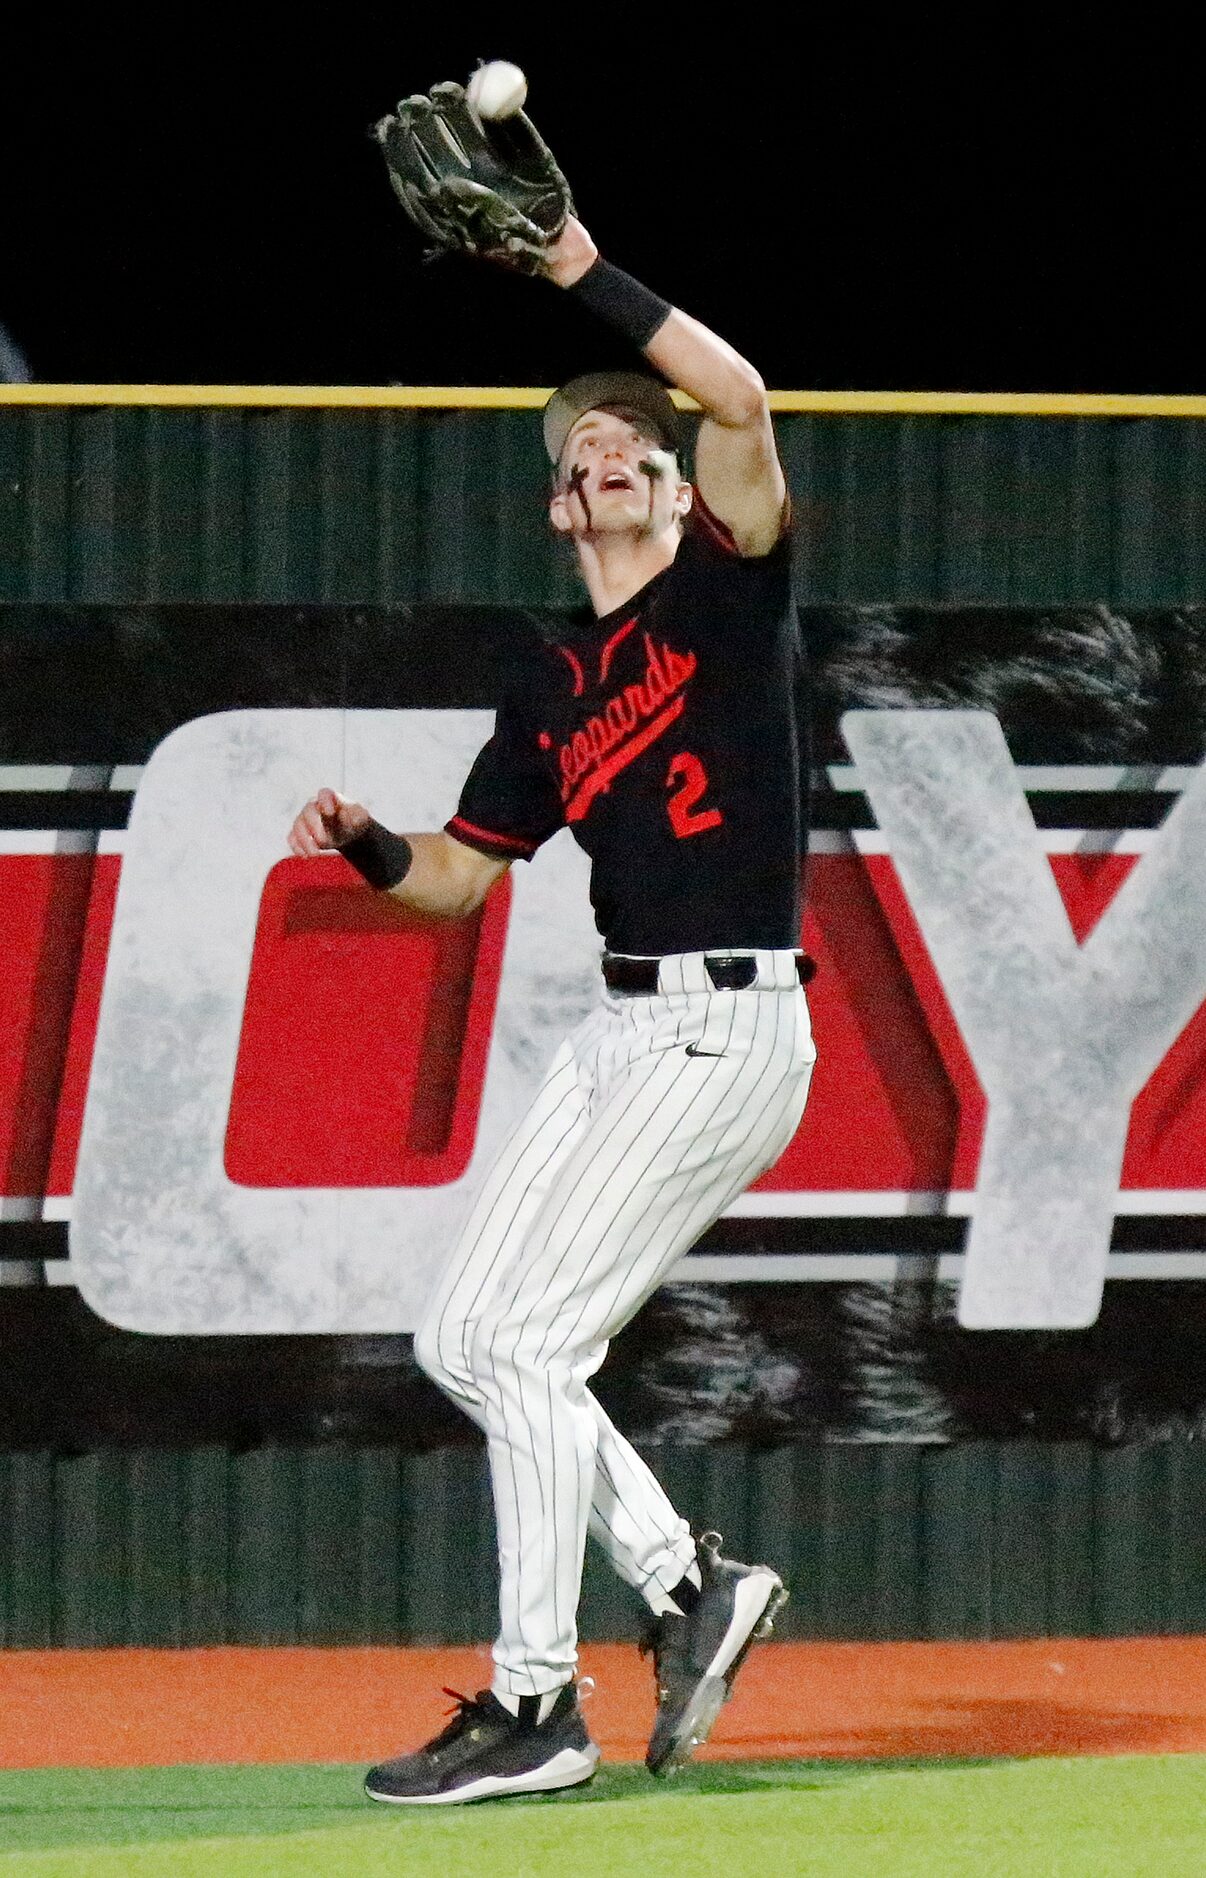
(255, 1098)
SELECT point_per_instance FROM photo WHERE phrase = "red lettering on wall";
(895, 1103)
(44, 901)
(365, 1036)
(106, 872)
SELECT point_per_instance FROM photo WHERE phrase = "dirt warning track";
(131, 1708)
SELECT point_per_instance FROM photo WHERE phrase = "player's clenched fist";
(327, 821)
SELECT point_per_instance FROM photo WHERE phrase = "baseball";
(497, 89)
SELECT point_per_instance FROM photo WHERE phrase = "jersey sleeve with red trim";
(707, 532)
(746, 593)
(510, 804)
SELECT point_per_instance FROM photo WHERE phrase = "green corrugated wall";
(393, 507)
(396, 506)
(331, 1545)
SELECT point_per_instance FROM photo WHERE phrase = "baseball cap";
(595, 390)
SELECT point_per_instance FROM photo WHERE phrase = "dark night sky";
(848, 212)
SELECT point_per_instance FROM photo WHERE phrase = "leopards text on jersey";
(666, 736)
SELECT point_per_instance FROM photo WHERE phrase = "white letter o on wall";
(162, 1240)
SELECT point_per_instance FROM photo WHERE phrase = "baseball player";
(662, 732)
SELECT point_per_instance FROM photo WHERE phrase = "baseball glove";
(490, 189)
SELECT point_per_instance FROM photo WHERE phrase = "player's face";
(617, 478)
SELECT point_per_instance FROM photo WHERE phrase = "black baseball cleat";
(485, 1751)
(696, 1657)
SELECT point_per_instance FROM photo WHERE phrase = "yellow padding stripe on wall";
(530, 398)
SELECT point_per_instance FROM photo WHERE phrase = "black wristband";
(622, 301)
(383, 858)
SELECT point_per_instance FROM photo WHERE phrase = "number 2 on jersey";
(692, 779)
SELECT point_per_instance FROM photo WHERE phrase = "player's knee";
(504, 1342)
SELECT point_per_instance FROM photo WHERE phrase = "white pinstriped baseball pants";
(633, 1146)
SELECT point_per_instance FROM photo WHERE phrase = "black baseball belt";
(728, 972)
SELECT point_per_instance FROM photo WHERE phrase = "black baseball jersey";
(667, 736)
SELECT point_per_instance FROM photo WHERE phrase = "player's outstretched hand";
(328, 821)
(489, 188)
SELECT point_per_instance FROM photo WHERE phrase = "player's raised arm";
(480, 179)
(431, 873)
(737, 466)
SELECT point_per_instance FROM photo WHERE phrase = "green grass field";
(1124, 1817)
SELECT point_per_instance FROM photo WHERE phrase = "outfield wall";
(306, 1544)
(914, 1481)
(1029, 501)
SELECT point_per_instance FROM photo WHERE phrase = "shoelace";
(467, 1709)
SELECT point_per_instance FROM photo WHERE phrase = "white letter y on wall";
(1063, 1037)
